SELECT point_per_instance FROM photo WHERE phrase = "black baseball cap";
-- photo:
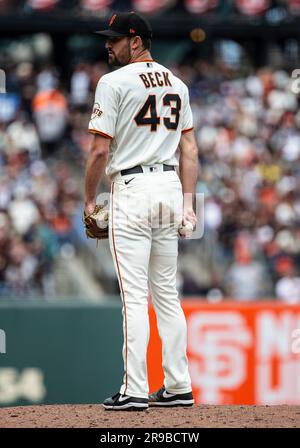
(127, 24)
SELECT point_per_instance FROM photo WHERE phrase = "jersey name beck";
(155, 79)
(145, 108)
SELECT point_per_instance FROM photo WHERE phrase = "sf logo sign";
(218, 343)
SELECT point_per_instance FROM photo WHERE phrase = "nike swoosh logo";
(127, 181)
(167, 395)
(123, 398)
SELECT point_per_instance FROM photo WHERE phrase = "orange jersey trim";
(94, 131)
(186, 130)
(121, 287)
(144, 60)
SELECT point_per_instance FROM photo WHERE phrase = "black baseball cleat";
(121, 402)
(166, 399)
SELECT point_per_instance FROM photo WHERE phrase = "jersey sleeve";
(105, 111)
(187, 119)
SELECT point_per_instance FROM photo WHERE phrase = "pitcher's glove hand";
(96, 224)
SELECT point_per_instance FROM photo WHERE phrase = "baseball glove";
(96, 224)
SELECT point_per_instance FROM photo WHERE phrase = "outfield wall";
(238, 353)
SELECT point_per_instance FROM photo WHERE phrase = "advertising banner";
(238, 353)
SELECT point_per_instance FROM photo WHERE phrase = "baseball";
(102, 219)
(186, 230)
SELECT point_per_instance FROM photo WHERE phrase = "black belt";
(139, 169)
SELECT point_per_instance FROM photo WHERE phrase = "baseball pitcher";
(141, 116)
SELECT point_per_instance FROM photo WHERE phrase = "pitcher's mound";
(203, 416)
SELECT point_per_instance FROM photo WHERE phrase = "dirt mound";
(203, 416)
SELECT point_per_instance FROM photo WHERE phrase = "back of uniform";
(144, 109)
(140, 114)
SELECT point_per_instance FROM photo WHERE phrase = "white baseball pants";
(144, 218)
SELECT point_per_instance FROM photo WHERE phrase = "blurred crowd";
(248, 134)
(38, 193)
(247, 128)
(276, 9)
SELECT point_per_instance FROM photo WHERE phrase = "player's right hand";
(189, 216)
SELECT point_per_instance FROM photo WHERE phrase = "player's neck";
(145, 55)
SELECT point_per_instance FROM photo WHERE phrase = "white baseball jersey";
(143, 108)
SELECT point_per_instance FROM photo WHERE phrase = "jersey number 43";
(147, 116)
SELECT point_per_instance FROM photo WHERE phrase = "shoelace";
(115, 397)
(161, 391)
(158, 393)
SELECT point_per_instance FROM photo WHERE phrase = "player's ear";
(136, 42)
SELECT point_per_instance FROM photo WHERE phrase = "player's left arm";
(102, 126)
(95, 166)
